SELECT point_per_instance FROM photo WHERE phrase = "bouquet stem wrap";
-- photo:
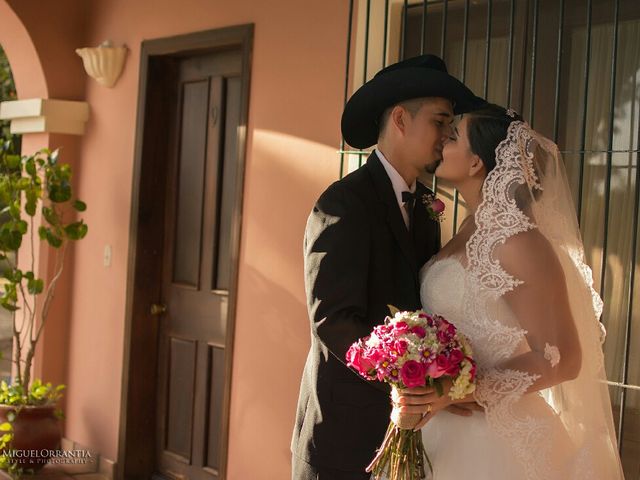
(402, 455)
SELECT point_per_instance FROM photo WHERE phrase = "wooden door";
(197, 266)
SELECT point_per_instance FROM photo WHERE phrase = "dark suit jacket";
(359, 258)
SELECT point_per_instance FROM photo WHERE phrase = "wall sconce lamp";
(103, 63)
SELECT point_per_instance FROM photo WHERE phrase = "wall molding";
(45, 115)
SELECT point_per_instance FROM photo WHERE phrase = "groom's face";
(426, 133)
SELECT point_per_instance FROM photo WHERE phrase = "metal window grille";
(572, 69)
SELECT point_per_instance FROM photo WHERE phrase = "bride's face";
(457, 158)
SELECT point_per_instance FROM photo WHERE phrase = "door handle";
(158, 309)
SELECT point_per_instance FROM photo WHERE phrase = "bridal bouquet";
(411, 349)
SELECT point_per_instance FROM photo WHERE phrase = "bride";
(515, 282)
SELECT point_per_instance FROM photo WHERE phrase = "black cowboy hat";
(422, 76)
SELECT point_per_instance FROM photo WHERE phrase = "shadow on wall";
(285, 177)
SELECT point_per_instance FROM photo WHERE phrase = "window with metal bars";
(572, 69)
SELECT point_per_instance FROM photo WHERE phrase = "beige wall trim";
(45, 115)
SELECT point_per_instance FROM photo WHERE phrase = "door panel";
(190, 192)
(202, 203)
(229, 185)
(216, 362)
(182, 356)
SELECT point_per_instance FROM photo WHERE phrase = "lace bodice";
(442, 288)
(442, 292)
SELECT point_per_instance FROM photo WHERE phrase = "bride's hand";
(427, 402)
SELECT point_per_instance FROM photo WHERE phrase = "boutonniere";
(434, 206)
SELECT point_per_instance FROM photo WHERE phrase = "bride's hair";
(486, 128)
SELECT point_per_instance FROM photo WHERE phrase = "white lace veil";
(541, 376)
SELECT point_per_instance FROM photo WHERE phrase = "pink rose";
(443, 324)
(453, 371)
(443, 337)
(438, 367)
(400, 328)
(473, 368)
(373, 356)
(413, 374)
(401, 346)
(437, 206)
(456, 356)
(382, 330)
(419, 331)
(356, 359)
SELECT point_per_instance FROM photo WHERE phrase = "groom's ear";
(397, 117)
(476, 167)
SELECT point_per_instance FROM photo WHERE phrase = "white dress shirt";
(398, 183)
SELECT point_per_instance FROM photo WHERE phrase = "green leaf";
(42, 232)
(23, 183)
(14, 209)
(393, 310)
(50, 215)
(13, 161)
(53, 240)
(30, 166)
(17, 275)
(79, 205)
(76, 230)
(21, 226)
(32, 199)
(10, 239)
(60, 193)
(5, 427)
(35, 286)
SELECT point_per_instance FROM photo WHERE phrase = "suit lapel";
(394, 218)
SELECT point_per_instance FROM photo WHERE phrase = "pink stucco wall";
(295, 104)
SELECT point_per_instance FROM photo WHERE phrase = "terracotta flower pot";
(36, 431)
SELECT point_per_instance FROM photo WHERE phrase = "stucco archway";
(31, 81)
(21, 52)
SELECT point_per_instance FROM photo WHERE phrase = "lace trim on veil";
(528, 190)
(498, 218)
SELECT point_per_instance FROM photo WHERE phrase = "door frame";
(136, 445)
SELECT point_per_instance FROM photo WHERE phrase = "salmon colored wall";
(295, 104)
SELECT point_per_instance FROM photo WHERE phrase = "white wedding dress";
(466, 447)
(540, 373)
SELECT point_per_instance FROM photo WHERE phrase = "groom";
(365, 241)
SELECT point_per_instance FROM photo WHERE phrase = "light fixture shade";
(103, 63)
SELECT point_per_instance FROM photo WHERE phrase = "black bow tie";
(408, 197)
(409, 200)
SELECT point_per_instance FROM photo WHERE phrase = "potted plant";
(30, 185)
